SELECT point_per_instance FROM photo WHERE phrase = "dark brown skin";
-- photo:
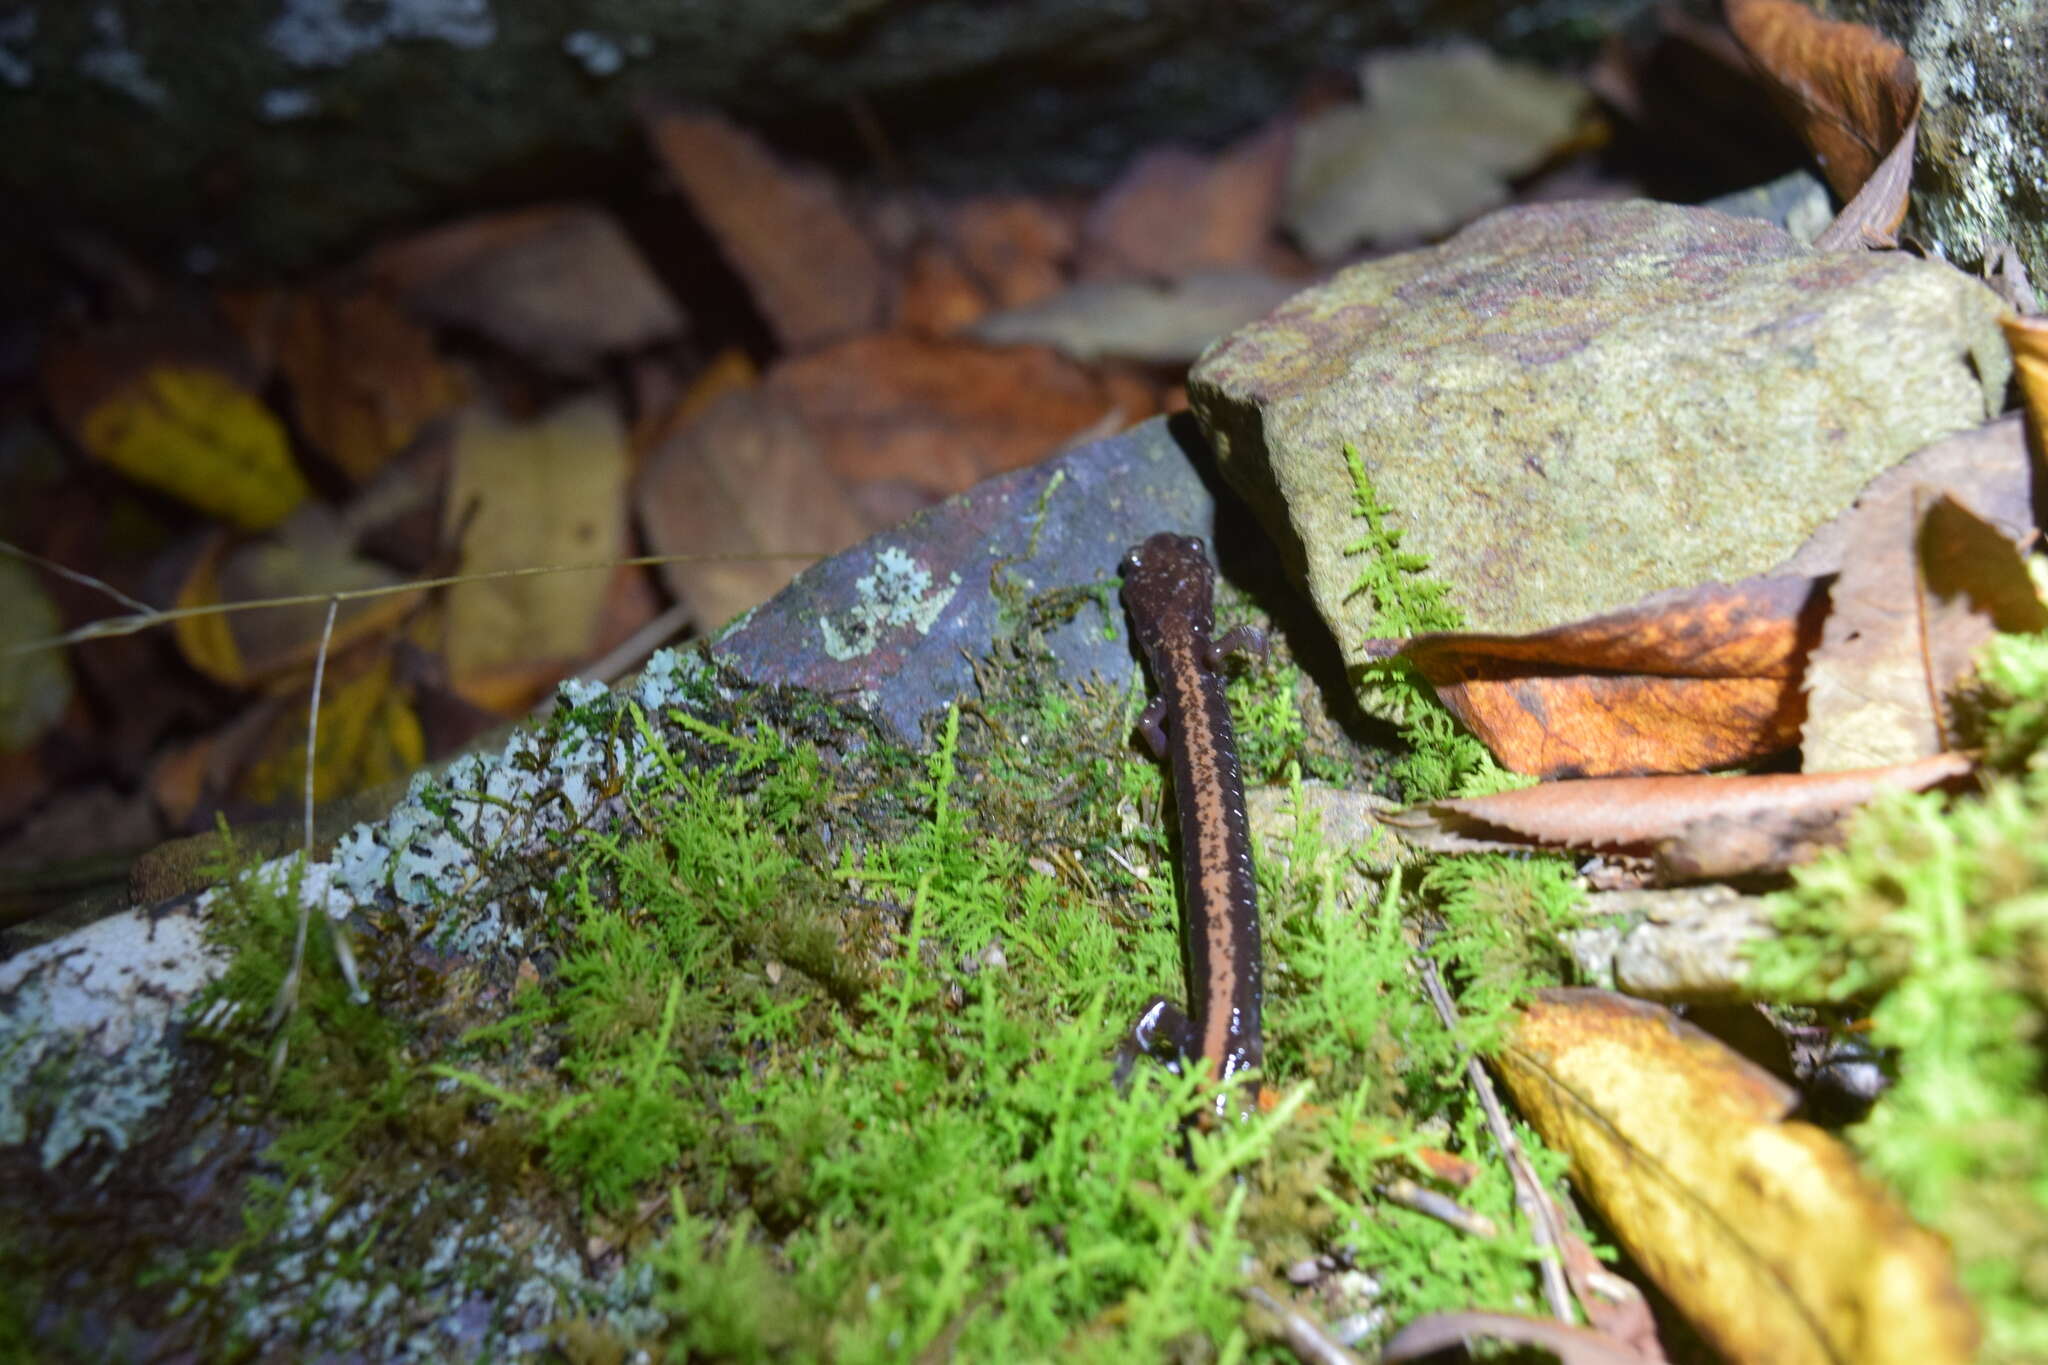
(1169, 589)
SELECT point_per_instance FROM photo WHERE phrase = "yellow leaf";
(208, 642)
(194, 433)
(528, 495)
(1762, 1230)
(368, 734)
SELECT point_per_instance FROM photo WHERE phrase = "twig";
(75, 576)
(1430, 1204)
(1310, 1340)
(148, 617)
(1530, 1196)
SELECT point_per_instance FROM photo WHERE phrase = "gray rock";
(1796, 201)
(1981, 172)
(894, 621)
(1571, 406)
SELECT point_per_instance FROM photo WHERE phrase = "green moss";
(1443, 758)
(817, 1035)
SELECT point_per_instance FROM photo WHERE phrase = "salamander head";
(1169, 586)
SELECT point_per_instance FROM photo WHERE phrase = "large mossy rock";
(1570, 406)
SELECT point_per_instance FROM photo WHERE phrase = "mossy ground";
(806, 1050)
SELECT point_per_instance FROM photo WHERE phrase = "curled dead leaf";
(1638, 814)
(1697, 678)
(1762, 1230)
(1850, 92)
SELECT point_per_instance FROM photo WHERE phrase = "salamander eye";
(1130, 565)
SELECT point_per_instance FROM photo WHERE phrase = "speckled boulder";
(1570, 406)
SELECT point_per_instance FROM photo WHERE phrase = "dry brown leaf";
(1441, 134)
(814, 274)
(1762, 1230)
(1872, 218)
(1177, 210)
(527, 495)
(940, 416)
(1850, 92)
(743, 478)
(729, 371)
(1908, 613)
(311, 553)
(364, 378)
(1986, 467)
(1571, 1345)
(1015, 247)
(938, 295)
(559, 285)
(1697, 678)
(1637, 813)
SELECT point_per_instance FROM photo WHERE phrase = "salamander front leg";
(1236, 640)
(1163, 1032)
(1151, 724)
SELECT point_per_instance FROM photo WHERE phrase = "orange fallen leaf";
(814, 274)
(1852, 95)
(364, 378)
(1635, 814)
(1697, 678)
(938, 295)
(743, 478)
(560, 285)
(1762, 1230)
(1016, 247)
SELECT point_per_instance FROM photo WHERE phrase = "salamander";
(1169, 590)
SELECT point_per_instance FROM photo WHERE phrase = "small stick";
(1530, 1196)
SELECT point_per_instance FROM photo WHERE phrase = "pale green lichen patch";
(897, 593)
